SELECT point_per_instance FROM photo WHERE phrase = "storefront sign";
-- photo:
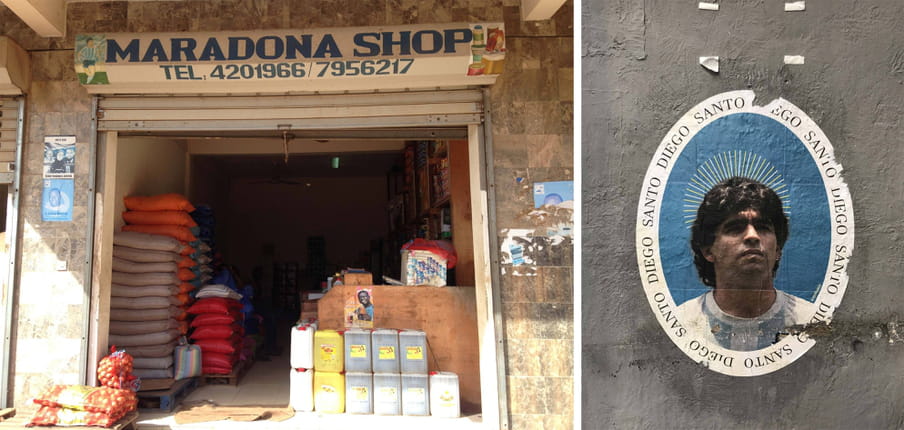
(292, 60)
(734, 189)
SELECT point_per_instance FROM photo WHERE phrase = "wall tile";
(548, 150)
(540, 357)
(556, 284)
(511, 150)
(521, 289)
(525, 395)
(538, 320)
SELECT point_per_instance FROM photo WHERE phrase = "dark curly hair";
(727, 198)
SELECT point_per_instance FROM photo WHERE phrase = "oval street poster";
(744, 233)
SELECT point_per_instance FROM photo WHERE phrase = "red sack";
(216, 370)
(215, 319)
(442, 248)
(214, 305)
(218, 331)
(160, 202)
(219, 346)
(215, 359)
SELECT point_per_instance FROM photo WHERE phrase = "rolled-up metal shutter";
(356, 113)
(11, 109)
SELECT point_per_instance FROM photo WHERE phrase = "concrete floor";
(267, 384)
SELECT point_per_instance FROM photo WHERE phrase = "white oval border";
(792, 347)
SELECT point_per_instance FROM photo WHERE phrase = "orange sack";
(160, 202)
(187, 263)
(159, 218)
(174, 231)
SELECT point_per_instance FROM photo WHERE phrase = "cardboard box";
(423, 268)
(357, 278)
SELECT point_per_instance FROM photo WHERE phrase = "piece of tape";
(708, 6)
(710, 63)
(795, 6)
(794, 59)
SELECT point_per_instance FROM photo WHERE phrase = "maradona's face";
(745, 245)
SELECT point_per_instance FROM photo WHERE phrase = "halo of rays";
(725, 165)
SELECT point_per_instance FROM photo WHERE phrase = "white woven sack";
(143, 314)
(142, 327)
(117, 290)
(152, 351)
(126, 266)
(145, 255)
(158, 338)
(155, 242)
(218, 290)
(139, 303)
(138, 279)
(153, 362)
(153, 373)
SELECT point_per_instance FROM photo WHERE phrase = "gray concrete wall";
(640, 74)
(531, 106)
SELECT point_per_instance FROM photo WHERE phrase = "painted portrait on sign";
(359, 309)
(90, 57)
(745, 228)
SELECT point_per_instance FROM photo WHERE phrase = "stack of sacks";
(252, 321)
(204, 217)
(217, 328)
(147, 305)
(169, 215)
(79, 405)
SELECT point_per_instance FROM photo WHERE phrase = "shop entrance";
(294, 205)
(12, 110)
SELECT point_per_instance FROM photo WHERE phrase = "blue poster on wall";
(558, 193)
(56, 201)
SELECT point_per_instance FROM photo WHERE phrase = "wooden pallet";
(128, 422)
(233, 378)
(156, 384)
(166, 400)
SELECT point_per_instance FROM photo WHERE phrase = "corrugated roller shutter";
(446, 108)
(9, 131)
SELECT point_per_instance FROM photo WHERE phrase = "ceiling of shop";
(271, 167)
(48, 17)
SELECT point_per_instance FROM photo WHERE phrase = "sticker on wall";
(359, 309)
(90, 53)
(744, 232)
(487, 50)
(59, 157)
(56, 200)
(558, 193)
